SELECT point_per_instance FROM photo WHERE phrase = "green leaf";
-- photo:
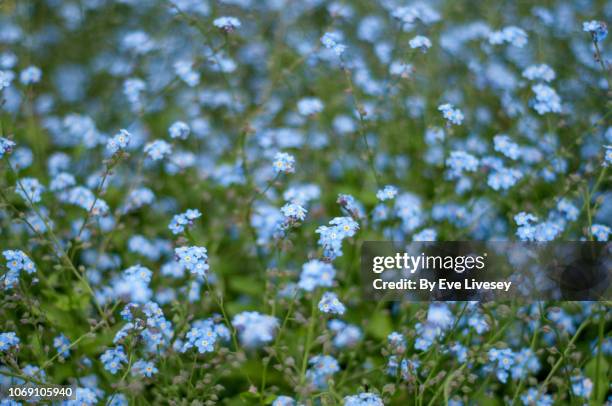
(379, 326)
(590, 370)
(249, 397)
(246, 285)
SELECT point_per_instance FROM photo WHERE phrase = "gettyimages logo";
(483, 271)
(459, 263)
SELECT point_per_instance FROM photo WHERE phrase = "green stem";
(600, 339)
(361, 126)
(58, 246)
(519, 387)
(563, 356)
(308, 343)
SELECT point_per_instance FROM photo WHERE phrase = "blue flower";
(421, 12)
(533, 396)
(293, 212)
(137, 198)
(284, 163)
(309, 106)
(363, 399)
(502, 143)
(147, 320)
(179, 130)
(387, 193)
(6, 77)
(113, 358)
(420, 42)
(119, 141)
(600, 232)
(6, 146)
(316, 273)
(132, 89)
(397, 342)
(502, 361)
(8, 340)
(184, 70)
(440, 314)
(17, 260)
(138, 42)
(478, 322)
(85, 198)
(427, 234)
(158, 149)
(582, 386)
(503, 178)
(322, 367)
(331, 40)
(302, 194)
(202, 337)
(460, 162)
(546, 99)
(607, 155)
(427, 334)
(351, 205)
(58, 162)
(345, 335)
(460, 351)
(145, 368)
(407, 368)
(62, 345)
(597, 29)
(194, 259)
(29, 189)
(30, 75)
(9, 280)
(139, 272)
(330, 304)
(547, 231)
(451, 114)
(539, 72)
(227, 24)
(89, 397)
(568, 209)
(345, 226)
(525, 361)
(284, 401)
(524, 218)
(255, 329)
(22, 158)
(62, 181)
(511, 35)
(330, 238)
(180, 221)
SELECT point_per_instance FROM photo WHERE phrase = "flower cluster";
(451, 114)
(6, 146)
(331, 237)
(255, 329)
(119, 142)
(301, 129)
(316, 273)
(113, 358)
(331, 41)
(8, 340)
(330, 303)
(16, 261)
(194, 259)
(598, 29)
(322, 368)
(182, 220)
(284, 163)
(227, 24)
